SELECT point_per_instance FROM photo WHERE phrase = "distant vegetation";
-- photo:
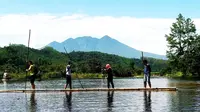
(52, 63)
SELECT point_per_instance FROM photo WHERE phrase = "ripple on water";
(186, 99)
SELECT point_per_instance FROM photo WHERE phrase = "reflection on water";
(68, 101)
(110, 100)
(33, 103)
(147, 101)
(185, 99)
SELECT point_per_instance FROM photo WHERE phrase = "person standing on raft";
(147, 73)
(110, 75)
(68, 76)
(32, 72)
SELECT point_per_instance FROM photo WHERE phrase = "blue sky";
(141, 24)
(137, 8)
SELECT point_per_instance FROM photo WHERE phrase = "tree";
(193, 56)
(180, 40)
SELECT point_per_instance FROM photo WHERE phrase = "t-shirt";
(5, 75)
(68, 70)
(110, 74)
(31, 69)
(147, 69)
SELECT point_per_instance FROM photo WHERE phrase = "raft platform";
(87, 89)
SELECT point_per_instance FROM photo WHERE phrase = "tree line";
(14, 58)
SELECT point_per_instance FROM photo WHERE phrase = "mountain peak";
(106, 37)
(54, 42)
(84, 37)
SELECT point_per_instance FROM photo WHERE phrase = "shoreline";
(83, 78)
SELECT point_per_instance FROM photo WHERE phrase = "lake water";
(186, 99)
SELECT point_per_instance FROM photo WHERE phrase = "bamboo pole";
(27, 58)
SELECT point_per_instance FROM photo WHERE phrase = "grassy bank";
(179, 75)
(60, 75)
(174, 75)
(56, 75)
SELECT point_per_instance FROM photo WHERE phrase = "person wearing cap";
(110, 75)
(68, 76)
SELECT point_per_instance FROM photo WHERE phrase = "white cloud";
(145, 34)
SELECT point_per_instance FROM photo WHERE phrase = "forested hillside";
(13, 58)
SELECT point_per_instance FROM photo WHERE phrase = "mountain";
(106, 45)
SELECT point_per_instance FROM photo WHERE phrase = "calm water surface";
(186, 99)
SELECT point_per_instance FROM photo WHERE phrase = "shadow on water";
(68, 101)
(110, 100)
(33, 104)
(147, 101)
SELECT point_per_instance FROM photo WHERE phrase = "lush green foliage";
(52, 63)
(184, 47)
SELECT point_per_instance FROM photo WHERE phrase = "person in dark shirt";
(110, 75)
(147, 73)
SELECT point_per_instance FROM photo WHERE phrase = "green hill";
(52, 63)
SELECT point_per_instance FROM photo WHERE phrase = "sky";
(141, 24)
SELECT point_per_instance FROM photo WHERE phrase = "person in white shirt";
(6, 75)
(68, 76)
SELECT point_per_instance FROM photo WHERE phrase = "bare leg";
(33, 86)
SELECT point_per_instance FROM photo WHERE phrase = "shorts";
(68, 79)
(32, 79)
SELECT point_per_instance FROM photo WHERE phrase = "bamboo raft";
(87, 89)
